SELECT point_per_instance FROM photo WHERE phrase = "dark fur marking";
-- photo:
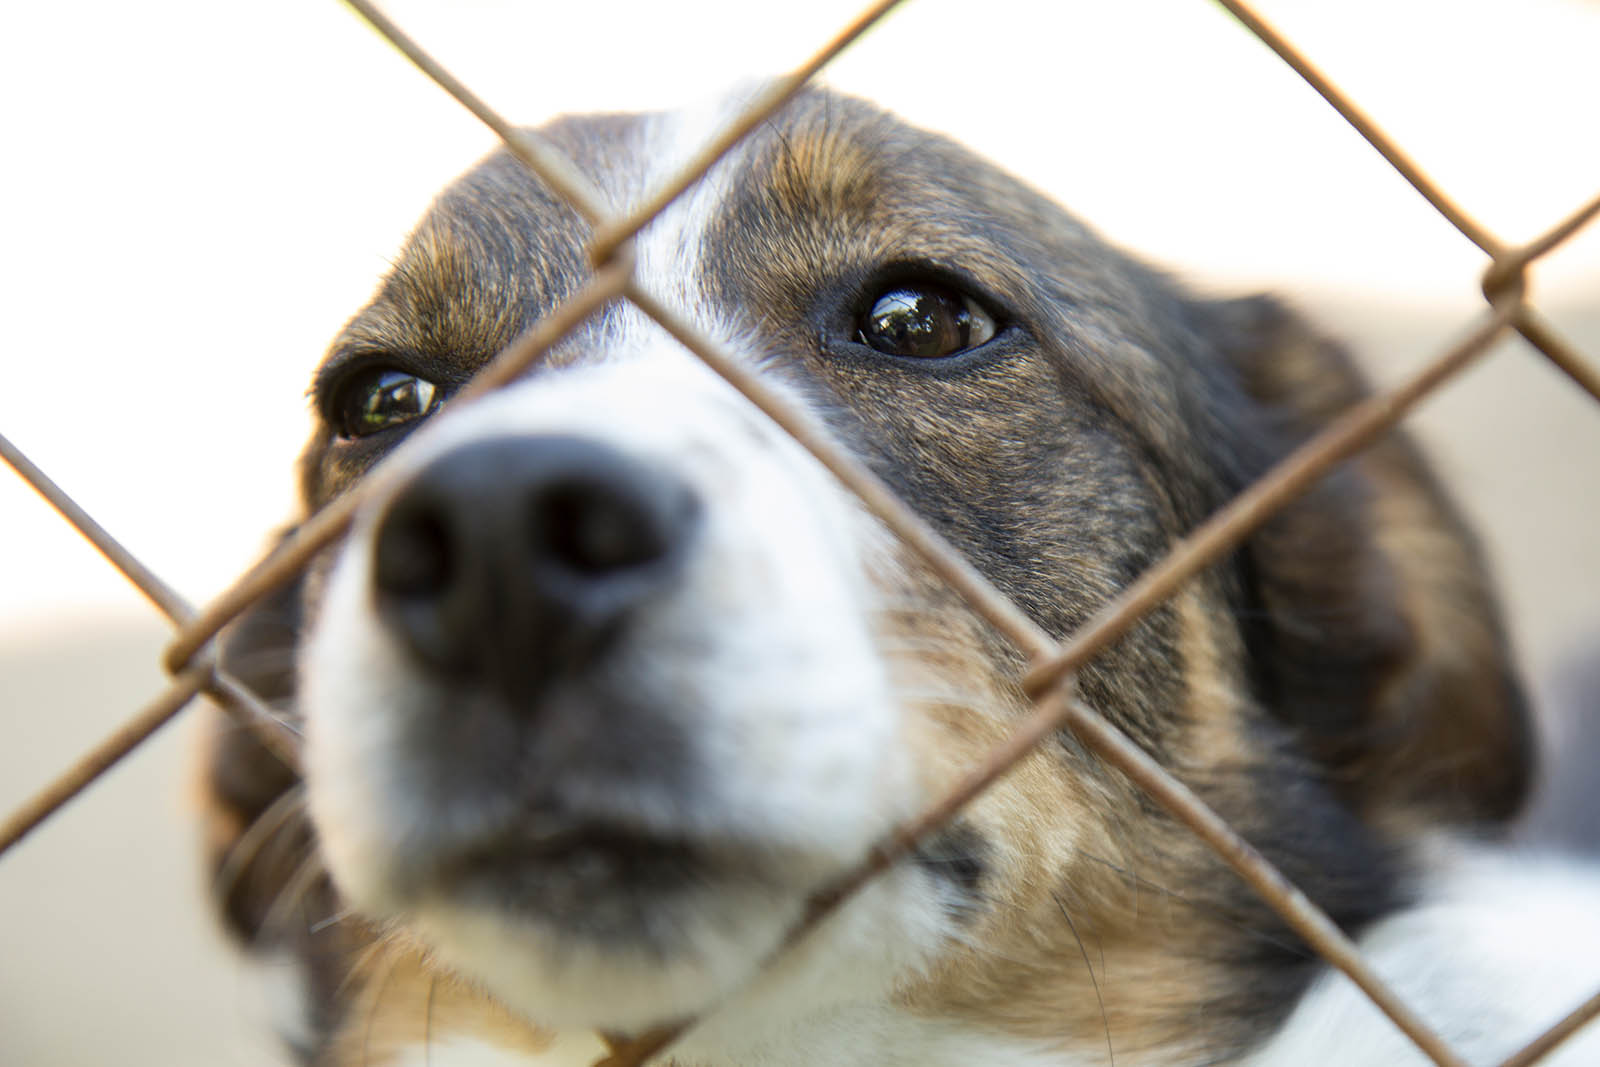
(958, 856)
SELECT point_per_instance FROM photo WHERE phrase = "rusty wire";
(272, 730)
(777, 93)
(92, 765)
(1546, 1043)
(1051, 666)
(1347, 109)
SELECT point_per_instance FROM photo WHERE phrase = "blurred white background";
(197, 194)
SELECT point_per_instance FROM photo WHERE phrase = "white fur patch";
(668, 250)
(1500, 947)
(790, 705)
(284, 989)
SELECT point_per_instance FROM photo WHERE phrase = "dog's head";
(611, 675)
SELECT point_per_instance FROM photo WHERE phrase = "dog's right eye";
(380, 398)
(924, 321)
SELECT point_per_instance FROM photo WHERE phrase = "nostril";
(511, 560)
(594, 530)
(414, 555)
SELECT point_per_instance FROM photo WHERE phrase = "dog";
(610, 675)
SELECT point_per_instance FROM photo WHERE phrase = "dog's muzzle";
(593, 696)
(512, 561)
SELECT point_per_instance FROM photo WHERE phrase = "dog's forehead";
(831, 185)
(495, 250)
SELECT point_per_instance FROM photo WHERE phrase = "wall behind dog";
(197, 194)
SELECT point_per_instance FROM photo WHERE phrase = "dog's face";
(611, 675)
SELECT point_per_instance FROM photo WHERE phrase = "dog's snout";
(516, 558)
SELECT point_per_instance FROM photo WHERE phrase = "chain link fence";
(1050, 677)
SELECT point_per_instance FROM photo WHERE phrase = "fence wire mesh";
(1052, 666)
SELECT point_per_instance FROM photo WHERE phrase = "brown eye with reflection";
(381, 398)
(923, 321)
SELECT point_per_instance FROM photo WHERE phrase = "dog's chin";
(594, 922)
(622, 935)
(614, 925)
(622, 954)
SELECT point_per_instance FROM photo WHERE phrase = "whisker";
(427, 1022)
(294, 892)
(1105, 1019)
(393, 965)
(331, 921)
(289, 804)
(362, 963)
(949, 698)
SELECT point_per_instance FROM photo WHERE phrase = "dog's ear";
(256, 835)
(1368, 613)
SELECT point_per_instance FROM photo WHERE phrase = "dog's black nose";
(513, 559)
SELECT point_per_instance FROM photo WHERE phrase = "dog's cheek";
(353, 687)
(810, 738)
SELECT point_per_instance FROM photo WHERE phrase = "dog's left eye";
(924, 321)
(380, 398)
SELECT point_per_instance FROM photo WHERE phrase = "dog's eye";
(924, 321)
(380, 398)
